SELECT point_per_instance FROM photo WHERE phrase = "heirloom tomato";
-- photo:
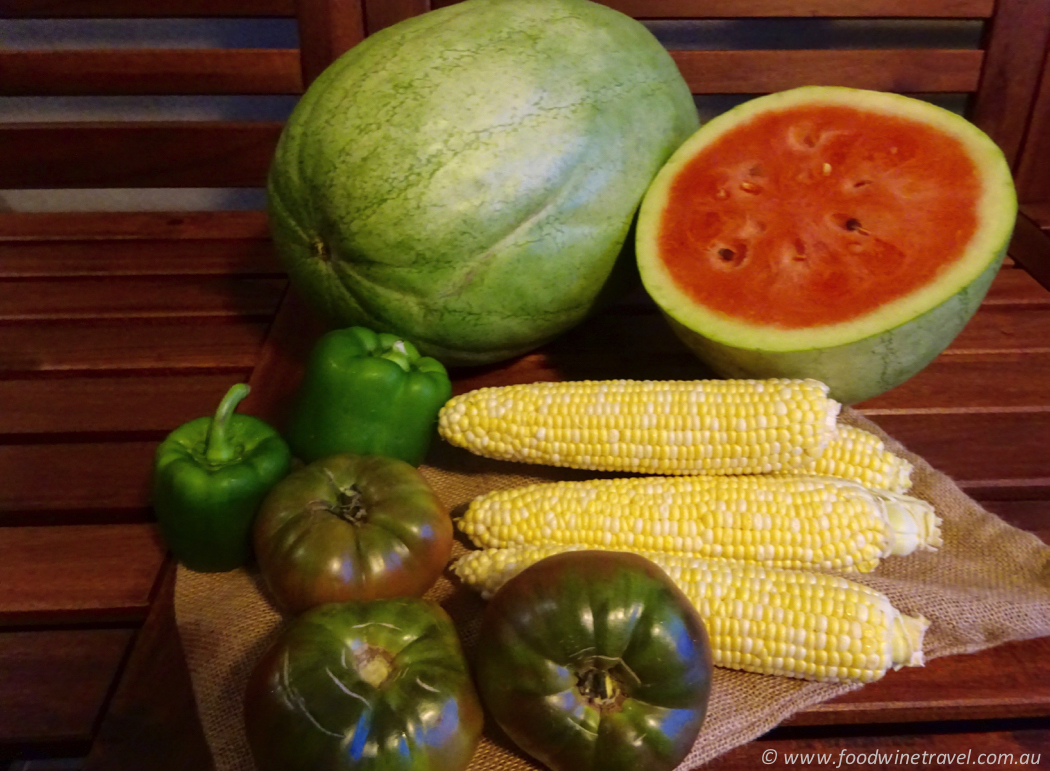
(351, 527)
(595, 660)
(372, 686)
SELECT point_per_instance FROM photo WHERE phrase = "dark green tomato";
(351, 527)
(595, 660)
(373, 686)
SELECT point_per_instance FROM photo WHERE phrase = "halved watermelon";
(832, 233)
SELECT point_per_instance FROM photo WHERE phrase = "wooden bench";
(116, 326)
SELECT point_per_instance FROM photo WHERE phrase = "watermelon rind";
(468, 178)
(874, 352)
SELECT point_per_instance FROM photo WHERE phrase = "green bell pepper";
(209, 477)
(368, 394)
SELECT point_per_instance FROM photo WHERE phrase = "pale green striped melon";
(467, 178)
(830, 233)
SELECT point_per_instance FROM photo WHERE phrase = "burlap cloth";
(990, 583)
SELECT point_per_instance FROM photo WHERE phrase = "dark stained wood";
(1031, 249)
(717, 9)
(278, 371)
(961, 380)
(56, 682)
(758, 72)
(1004, 329)
(382, 14)
(1016, 287)
(110, 404)
(962, 687)
(77, 346)
(1033, 171)
(1027, 515)
(139, 257)
(75, 9)
(63, 481)
(1039, 213)
(149, 71)
(168, 731)
(1015, 441)
(132, 226)
(54, 574)
(100, 298)
(327, 29)
(153, 154)
(1016, 48)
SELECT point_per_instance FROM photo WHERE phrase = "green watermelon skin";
(468, 178)
(855, 371)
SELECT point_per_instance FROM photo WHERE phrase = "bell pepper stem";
(218, 448)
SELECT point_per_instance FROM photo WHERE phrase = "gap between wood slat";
(757, 72)
(134, 155)
(722, 9)
(150, 72)
(79, 9)
(717, 9)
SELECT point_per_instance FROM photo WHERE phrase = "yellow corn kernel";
(781, 521)
(861, 456)
(656, 427)
(773, 621)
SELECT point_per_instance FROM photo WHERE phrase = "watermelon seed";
(750, 187)
(827, 169)
(853, 225)
(722, 194)
(862, 183)
(756, 171)
(800, 250)
(733, 257)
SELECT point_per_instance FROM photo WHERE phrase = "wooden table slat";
(62, 259)
(110, 404)
(717, 9)
(962, 687)
(75, 346)
(168, 297)
(46, 479)
(57, 682)
(77, 9)
(132, 226)
(75, 572)
(758, 72)
(114, 72)
(136, 154)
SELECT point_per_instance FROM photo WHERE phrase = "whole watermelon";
(467, 178)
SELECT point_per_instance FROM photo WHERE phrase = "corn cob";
(656, 427)
(790, 521)
(773, 621)
(861, 456)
